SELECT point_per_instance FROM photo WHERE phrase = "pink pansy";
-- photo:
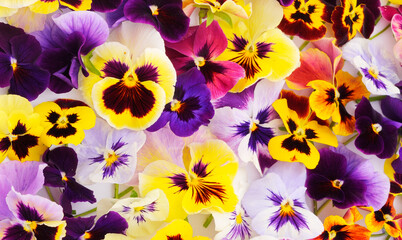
(198, 49)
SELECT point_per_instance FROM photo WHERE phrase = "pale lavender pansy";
(375, 65)
(108, 155)
(276, 203)
(246, 120)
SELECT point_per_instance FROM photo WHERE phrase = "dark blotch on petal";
(19, 129)
(5, 144)
(46, 232)
(147, 72)
(310, 134)
(57, 131)
(17, 232)
(28, 213)
(69, 103)
(201, 169)
(291, 143)
(23, 143)
(180, 181)
(115, 69)
(53, 117)
(292, 125)
(75, 3)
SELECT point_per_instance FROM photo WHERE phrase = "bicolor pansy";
(177, 230)
(296, 145)
(130, 93)
(206, 184)
(49, 6)
(64, 121)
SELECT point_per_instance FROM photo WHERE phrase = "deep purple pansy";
(396, 184)
(391, 107)
(190, 108)
(198, 50)
(83, 228)
(286, 3)
(18, 69)
(115, 17)
(60, 173)
(377, 135)
(347, 179)
(166, 16)
(65, 39)
(105, 5)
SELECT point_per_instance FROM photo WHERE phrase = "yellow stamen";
(154, 10)
(332, 234)
(131, 80)
(373, 72)
(87, 235)
(13, 63)
(110, 157)
(64, 178)
(138, 209)
(337, 183)
(199, 62)
(388, 217)
(62, 121)
(376, 128)
(287, 207)
(175, 105)
(239, 219)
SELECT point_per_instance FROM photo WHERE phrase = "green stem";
(388, 237)
(127, 190)
(373, 99)
(116, 190)
(49, 193)
(350, 139)
(379, 33)
(315, 207)
(305, 43)
(86, 213)
(208, 221)
(379, 234)
(323, 206)
(377, 20)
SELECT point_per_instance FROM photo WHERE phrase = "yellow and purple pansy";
(49, 6)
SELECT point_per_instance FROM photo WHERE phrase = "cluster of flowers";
(199, 107)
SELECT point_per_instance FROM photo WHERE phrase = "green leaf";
(210, 17)
(203, 12)
(283, 129)
(225, 17)
(133, 194)
(88, 64)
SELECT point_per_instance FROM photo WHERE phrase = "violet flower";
(84, 228)
(396, 184)
(62, 163)
(166, 16)
(199, 49)
(347, 179)
(190, 107)
(105, 5)
(377, 135)
(286, 3)
(18, 69)
(65, 40)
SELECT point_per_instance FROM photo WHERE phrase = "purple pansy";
(115, 17)
(84, 228)
(190, 107)
(286, 3)
(377, 135)
(246, 121)
(347, 179)
(396, 185)
(18, 69)
(65, 39)
(198, 50)
(166, 16)
(276, 203)
(391, 107)
(105, 5)
(62, 163)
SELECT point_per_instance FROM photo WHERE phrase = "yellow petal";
(80, 5)
(177, 228)
(6, 12)
(323, 134)
(11, 103)
(44, 7)
(323, 101)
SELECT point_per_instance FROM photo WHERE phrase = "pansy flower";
(377, 135)
(258, 47)
(396, 26)
(247, 121)
(205, 184)
(177, 229)
(105, 5)
(199, 50)
(64, 121)
(9, 7)
(296, 146)
(65, 40)
(133, 86)
(60, 172)
(329, 100)
(49, 6)
(375, 65)
(18, 54)
(166, 16)
(276, 203)
(34, 217)
(190, 107)
(108, 155)
(86, 228)
(27, 20)
(235, 7)
(143, 215)
(304, 19)
(394, 167)
(354, 16)
(347, 179)
(386, 218)
(338, 228)
(20, 130)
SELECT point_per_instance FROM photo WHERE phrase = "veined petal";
(6, 12)
(209, 42)
(134, 106)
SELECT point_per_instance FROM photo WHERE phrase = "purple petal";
(236, 100)
(364, 108)
(114, 18)
(173, 22)
(354, 194)
(8, 32)
(331, 165)
(17, 232)
(76, 227)
(90, 24)
(389, 134)
(139, 11)
(29, 81)
(53, 177)
(26, 178)
(286, 3)
(64, 158)
(209, 42)
(75, 192)
(6, 71)
(25, 48)
(105, 5)
(111, 222)
(162, 120)
(392, 108)
(320, 187)
(368, 141)
(5, 187)
(388, 12)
